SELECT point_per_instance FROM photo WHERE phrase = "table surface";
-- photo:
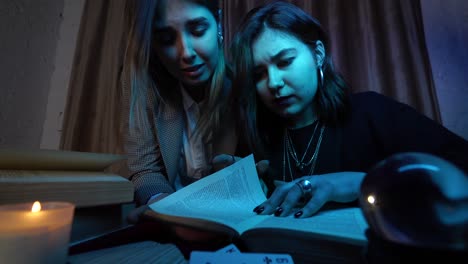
(137, 252)
(146, 242)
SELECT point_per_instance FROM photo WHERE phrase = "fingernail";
(259, 209)
(298, 214)
(278, 211)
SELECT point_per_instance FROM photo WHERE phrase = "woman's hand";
(136, 214)
(222, 161)
(183, 233)
(291, 197)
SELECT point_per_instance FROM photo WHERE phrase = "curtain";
(93, 114)
(376, 45)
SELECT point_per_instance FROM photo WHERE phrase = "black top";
(376, 128)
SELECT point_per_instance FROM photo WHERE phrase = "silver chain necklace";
(300, 164)
(289, 148)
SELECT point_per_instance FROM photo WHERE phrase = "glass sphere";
(417, 199)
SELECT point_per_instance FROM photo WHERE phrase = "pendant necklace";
(289, 152)
(300, 164)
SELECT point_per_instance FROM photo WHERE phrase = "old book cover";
(48, 159)
(55, 175)
(83, 188)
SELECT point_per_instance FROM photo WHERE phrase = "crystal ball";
(417, 199)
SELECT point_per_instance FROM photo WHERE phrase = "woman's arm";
(145, 161)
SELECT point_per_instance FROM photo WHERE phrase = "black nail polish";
(278, 211)
(259, 209)
(298, 214)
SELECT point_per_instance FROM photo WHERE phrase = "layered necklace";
(290, 155)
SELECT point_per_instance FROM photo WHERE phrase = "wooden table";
(137, 252)
(146, 242)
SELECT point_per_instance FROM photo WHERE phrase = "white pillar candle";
(28, 235)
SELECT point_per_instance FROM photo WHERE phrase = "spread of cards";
(231, 254)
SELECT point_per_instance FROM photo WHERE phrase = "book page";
(227, 196)
(345, 224)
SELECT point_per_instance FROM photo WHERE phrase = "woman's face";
(285, 74)
(186, 41)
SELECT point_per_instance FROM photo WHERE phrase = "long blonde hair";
(148, 79)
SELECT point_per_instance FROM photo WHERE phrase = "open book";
(224, 201)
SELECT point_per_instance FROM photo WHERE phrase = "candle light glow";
(36, 207)
(35, 232)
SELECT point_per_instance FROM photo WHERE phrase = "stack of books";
(55, 175)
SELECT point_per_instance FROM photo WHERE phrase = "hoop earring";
(220, 26)
(321, 76)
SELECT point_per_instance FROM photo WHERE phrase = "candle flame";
(36, 207)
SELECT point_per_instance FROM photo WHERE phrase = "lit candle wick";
(36, 207)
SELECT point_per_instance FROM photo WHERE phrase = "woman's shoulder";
(384, 108)
(370, 96)
(371, 100)
(368, 101)
(376, 106)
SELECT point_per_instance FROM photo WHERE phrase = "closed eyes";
(198, 26)
(167, 36)
(198, 30)
(285, 62)
(281, 63)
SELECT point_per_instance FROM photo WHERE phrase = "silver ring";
(306, 188)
